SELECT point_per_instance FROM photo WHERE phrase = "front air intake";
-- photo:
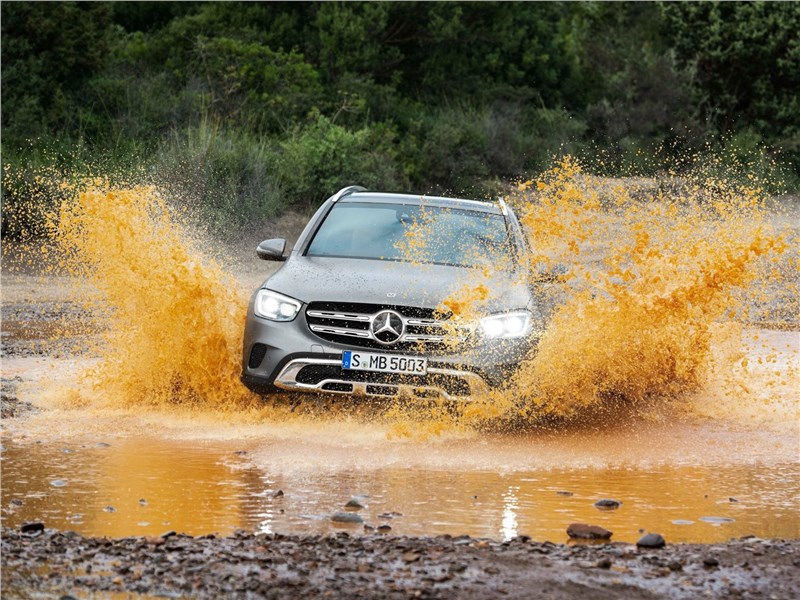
(257, 354)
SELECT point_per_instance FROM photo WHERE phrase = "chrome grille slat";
(422, 338)
(321, 314)
(358, 333)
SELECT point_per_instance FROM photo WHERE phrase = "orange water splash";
(651, 273)
(175, 320)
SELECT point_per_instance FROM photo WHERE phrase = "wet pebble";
(651, 540)
(607, 504)
(58, 483)
(346, 517)
(354, 504)
(32, 527)
(682, 522)
(603, 563)
(588, 532)
(390, 515)
(110, 509)
(717, 520)
(102, 445)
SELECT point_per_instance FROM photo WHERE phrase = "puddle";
(147, 486)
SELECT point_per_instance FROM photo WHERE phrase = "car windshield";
(410, 233)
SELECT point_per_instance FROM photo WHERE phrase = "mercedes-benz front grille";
(381, 326)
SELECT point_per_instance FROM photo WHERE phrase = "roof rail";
(503, 206)
(345, 191)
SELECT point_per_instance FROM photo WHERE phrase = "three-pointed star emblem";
(387, 327)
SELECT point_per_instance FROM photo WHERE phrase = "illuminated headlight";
(275, 307)
(509, 325)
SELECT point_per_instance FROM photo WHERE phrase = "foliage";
(252, 107)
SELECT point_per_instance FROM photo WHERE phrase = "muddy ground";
(62, 564)
(45, 563)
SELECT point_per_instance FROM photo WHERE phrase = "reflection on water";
(149, 486)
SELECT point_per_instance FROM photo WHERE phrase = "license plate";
(384, 363)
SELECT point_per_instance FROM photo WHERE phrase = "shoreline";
(259, 565)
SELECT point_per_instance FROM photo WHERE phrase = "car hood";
(312, 279)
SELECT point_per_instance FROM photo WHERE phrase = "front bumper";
(288, 356)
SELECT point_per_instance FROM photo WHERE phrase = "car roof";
(421, 200)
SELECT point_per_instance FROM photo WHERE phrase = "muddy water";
(497, 488)
(150, 430)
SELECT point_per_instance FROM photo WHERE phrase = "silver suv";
(360, 305)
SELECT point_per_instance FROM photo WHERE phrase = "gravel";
(247, 565)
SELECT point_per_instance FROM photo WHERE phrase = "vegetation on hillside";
(245, 109)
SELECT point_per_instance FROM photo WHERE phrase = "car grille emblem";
(387, 327)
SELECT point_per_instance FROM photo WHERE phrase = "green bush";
(322, 157)
(222, 176)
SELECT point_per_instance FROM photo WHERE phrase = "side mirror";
(271, 249)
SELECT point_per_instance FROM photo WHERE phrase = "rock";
(411, 557)
(603, 563)
(142, 502)
(674, 565)
(276, 494)
(732, 499)
(103, 445)
(588, 532)
(390, 515)
(354, 504)
(346, 517)
(710, 562)
(607, 504)
(16, 502)
(32, 527)
(58, 483)
(521, 539)
(651, 540)
(384, 528)
(168, 534)
(564, 493)
(154, 540)
(110, 509)
(716, 520)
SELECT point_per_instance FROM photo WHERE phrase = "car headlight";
(276, 307)
(507, 325)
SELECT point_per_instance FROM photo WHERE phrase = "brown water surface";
(689, 483)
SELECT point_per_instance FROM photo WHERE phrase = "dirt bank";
(373, 566)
